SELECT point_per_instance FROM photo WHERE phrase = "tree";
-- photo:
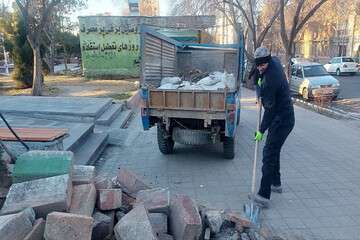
(68, 45)
(303, 11)
(13, 26)
(37, 14)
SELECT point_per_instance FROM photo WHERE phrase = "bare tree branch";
(310, 14)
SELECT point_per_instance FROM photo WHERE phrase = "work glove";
(258, 136)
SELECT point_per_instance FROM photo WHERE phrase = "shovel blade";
(252, 212)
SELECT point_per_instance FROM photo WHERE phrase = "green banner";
(110, 54)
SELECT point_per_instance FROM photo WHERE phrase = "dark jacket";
(275, 95)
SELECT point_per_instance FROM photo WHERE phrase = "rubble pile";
(212, 81)
(79, 206)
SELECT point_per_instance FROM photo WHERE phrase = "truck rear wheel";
(228, 148)
(165, 142)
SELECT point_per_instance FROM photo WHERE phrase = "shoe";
(260, 201)
(276, 189)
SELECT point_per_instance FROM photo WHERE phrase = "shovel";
(252, 210)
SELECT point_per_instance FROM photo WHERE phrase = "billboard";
(110, 51)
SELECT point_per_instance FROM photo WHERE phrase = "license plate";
(325, 86)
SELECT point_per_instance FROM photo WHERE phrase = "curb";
(338, 114)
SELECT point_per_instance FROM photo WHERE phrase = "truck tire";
(228, 148)
(165, 142)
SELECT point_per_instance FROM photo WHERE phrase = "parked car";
(357, 60)
(340, 65)
(298, 60)
(309, 76)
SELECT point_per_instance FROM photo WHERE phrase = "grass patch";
(121, 96)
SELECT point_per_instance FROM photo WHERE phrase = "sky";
(114, 7)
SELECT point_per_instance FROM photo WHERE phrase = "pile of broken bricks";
(80, 206)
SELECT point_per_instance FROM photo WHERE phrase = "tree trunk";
(51, 56)
(38, 76)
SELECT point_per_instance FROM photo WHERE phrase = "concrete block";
(16, 226)
(155, 200)
(185, 220)
(129, 182)
(82, 174)
(214, 219)
(83, 199)
(103, 183)
(44, 195)
(103, 225)
(128, 200)
(135, 226)
(109, 199)
(207, 234)
(42, 164)
(37, 232)
(159, 222)
(119, 215)
(164, 236)
(61, 226)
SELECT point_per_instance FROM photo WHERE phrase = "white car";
(341, 65)
(307, 77)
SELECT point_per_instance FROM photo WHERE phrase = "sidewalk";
(320, 172)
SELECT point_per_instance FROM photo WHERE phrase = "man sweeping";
(278, 120)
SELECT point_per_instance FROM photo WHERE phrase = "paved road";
(320, 171)
(349, 99)
(350, 86)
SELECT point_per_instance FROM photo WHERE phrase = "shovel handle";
(253, 180)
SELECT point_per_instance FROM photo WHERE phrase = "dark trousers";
(277, 134)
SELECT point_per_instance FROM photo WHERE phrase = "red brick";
(185, 221)
(109, 199)
(135, 226)
(130, 182)
(155, 200)
(61, 226)
(83, 199)
(238, 220)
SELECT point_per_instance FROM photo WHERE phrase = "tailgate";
(209, 101)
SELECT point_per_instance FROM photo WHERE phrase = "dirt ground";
(75, 86)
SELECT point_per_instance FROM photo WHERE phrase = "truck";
(192, 117)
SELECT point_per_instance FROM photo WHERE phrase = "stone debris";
(103, 225)
(214, 219)
(17, 226)
(61, 226)
(42, 164)
(159, 222)
(185, 221)
(103, 183)
(109, 199)
(83, 199)
(238, 220)
(37, 232)
(135, 226)
(164, 236)
(155, 200)
(44, 195)
(129, 182)
(82, 174)
(141, 212)
(213, 81)
(207, 234)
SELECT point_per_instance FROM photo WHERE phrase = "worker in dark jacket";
(278, 120)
